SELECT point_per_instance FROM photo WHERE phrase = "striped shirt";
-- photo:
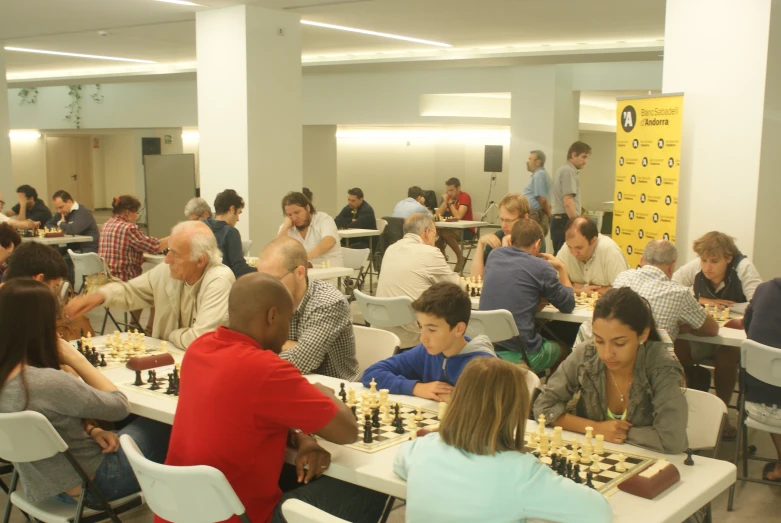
(671, 303)
(122, 245)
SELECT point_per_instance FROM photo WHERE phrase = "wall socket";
(280, 31)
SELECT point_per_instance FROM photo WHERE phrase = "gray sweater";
(657, 407)
(65, 400)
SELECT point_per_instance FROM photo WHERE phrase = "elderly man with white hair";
(189, 292)
(197, 209)
(673, 305)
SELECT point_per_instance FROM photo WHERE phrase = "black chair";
(393, 232)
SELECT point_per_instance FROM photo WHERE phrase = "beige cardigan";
(157, 289)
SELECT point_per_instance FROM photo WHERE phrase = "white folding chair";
(706, 418)
(355, 259)
(385, 312)
(245, 245)
(196, 494)
(85, 264)
(373, 345)
(498, 325)
(28, 436)
(296, 511)
(381, 224)
(763, 363)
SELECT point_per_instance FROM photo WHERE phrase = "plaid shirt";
(122, 245)
(322, 328)
(670, 302)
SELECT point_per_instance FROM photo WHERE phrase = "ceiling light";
(374, 33)
(24, 135)
(424, 134)
(78, 55)
(191, 136)
(179, 2)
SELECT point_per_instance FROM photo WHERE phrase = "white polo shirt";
(601, 269)
(322, 226)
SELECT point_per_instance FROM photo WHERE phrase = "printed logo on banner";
(628, 118)
(621, 161)
(668, 200)
(635, 143)
(619, 196)
(658, 180)
(642, 198)
(655, 217)
(660, 143)
(671, 163)
(645, 162)
(631, 215)
(618, 230)
(629, 249)
(633, 179)
(666, 236)
(640, 234)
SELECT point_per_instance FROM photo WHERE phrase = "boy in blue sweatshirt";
(431, 369)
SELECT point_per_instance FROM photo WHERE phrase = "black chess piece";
(176, 374)
(569, 470)
(399, 428)
(354, 413)
(103, 360)
(170, 389)
(139, 379)
(689, 461)
(149, 376)
(342, 393)
(376, 418)
(154, 385)
(554, 461)
(576, 474)
(473, 292)
(367, 432)
(562, 469)
(589, 477)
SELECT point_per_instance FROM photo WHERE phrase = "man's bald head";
(260, 307)
(283, 253)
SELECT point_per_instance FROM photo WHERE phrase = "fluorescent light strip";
(426, 134)
(191, 136)
(179, 2)
(78, 55)
(374, 33)
(24, 135)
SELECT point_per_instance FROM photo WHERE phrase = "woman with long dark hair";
(629, 383)
(41, 372)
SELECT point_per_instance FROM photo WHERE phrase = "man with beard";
(316, 231)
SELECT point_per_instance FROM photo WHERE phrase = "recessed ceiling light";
(180, 2)
(78, 55)
(374, 33)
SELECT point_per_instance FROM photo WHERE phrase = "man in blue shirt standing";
(517, 278)
(536, 191)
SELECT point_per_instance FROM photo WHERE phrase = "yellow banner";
(648, 148)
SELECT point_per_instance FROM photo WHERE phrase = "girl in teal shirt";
(475, 469)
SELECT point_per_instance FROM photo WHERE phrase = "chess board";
(607, 480)
(151, 347)
(162, 381)
(385, 436)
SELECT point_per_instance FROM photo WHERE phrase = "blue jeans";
(115, 478)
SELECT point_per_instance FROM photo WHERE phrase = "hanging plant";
(28, 96)
(97, 96)
(74, 108)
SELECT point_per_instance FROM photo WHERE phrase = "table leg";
(371, 264)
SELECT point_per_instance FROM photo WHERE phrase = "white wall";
(119, 151)
(386, 169)
(319, 167)
(597, 179)
(28, 164)
(6, 171)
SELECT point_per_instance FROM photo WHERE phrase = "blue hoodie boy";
(400, 373)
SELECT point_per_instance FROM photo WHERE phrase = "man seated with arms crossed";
(357, 214)
(241, 404)
(456, 204)
(512, 208)
(316, 231)
(431, 369)
(414, 203)
(720, 276)
(409, 267)
(39, 262)
(321, 331)
(189, 292)
(518, 278)
(673, 306)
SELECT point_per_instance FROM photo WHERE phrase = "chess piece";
(589, 433)
(103, 360)
(376, 418)
(149, 376)
(373, 387)
(386, 419)
(689, 461)
(574, 457)
(589, 477)
(557, 436)
(352, 408)
(599, 447)
(576, 474)
(530, 441)
(442, 410)
(595, 468)
(171, 384)
(585, 455)
(620, 466)
(541, 421)
(544, 447)
(412, 425)
(399, 427)
(725, 314)
(419, 414)
(342, 392)
(139, 380)
(367, 432)
(154, 385)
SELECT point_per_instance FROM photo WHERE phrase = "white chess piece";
(557, 436)
(419, 414)
(412, 425)
(164, 346)
(620, 467)
(386, 419)
(544, 446)
(599, 446)
(531, 440)
(442, 410)
(574, 457)
(589, 433)
(595, 464)
(373, 387)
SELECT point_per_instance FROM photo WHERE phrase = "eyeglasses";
(280, 278)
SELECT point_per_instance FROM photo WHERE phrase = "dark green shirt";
(499, 234)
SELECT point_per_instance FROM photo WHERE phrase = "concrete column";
(6, 174)
(249, 111)
(544, 116)
(729, 140)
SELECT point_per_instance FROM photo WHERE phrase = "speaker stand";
(491, 185)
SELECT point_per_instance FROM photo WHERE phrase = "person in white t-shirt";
(315, 230)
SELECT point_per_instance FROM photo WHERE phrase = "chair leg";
(740, 444)
(105, 319)
(11, 488)
(80, 505)
(708, 514)
(388, 508)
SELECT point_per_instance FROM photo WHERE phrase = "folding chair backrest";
(296, 511)
(761, 361)
(385, 312)
(381, 224)
(706, 412)
(198, 494)
(85, 264)
(28, 436)
(355, 258)
(245, 245)
(373, 345)
(498, 325)
(532, 381)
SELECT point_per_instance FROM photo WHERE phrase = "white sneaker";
(764, 413)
